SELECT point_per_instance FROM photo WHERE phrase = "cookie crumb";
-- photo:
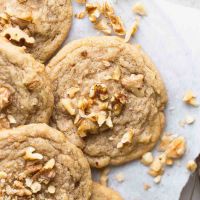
(191, 166)
(146, 186)
(139, 9)
(103, 180)
(157, 179)
(120, 177)
(147, 158)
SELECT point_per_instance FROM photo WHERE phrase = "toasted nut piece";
(169, 161)
(36, 187)
(120, 97)
(87, 126)
(116, 74)
(72, 91)
(103, 105)
(147, 158)
(29, 155)
(176, 148)
(107, 9)
(3, 175)
(190, 98)
(67, 104)
(101, 118)
(133, 81)
(127, 138)
(146, 186)
(49, 164)
(191, 165)
(93, 11)
(80, 15)
(157, 179)
(117, 25)
(51, 189)
(132, 31)
(165, 141)
(102, 26)
(4, 97)
(98, 88)
(139, 9)
(157, 166)
(17, 35)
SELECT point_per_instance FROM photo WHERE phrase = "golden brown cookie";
(101, 192)
(37, 162)
(39, 25)
(25, 91)
(109, 99)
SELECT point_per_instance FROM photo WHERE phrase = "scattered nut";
(103, 26)
(189, 119)
(191, 165)
(146, 186)
(147, 158)
(190, 98)
(80, 15)
(29, 155)
(139, 9)
(97, 89)
(28, 182)
(120, 177)
(156, 167)
(67, 104)
(93, 11)
(101, 118)
(157, 179)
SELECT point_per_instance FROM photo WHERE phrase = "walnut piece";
(157, 179)
(49, 164)
(146, 186)
(93, 11)
(116, 74)
(97, 89)
(17, 35)
(80, 15)
(103, 26)
(120, 177)
(67, 104)
(191, 165)
(132, 31)
(30, 155)
(133, 81)
(156, 167)
(147, 158)
(139, 9)
(190, 98)
(4, 97)
(72, 91)
(127, 138)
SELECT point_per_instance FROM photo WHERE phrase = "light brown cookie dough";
(109, 99)
(37, 162)
(101, 192)
(25, 92)
(39, 25)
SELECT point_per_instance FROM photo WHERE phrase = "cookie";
(25, 92)
(109, 99)
(40, 25)
(37, 162)
(101, 192)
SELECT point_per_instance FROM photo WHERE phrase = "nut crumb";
(51, 189)
(190, 98)
(103, 26)
(80, 15)
(146, 186)
(127, 138)
(147, 158)
(120, 177)
(67, 104)
(157, 179)
(72, 91)
(139, 9)
(30, 155)
(191, 166)
(116, 74)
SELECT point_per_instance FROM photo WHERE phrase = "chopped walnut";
(80, 15)
(50, 164)
(147, 158)
(190, 98)
(165, 141)
(93, 11)
(4, 97)
(84, 103)
(103, 26)
(139, 9)
(133, 81)
(120, 177)
(67, 104)
(156, 167)
(127, 138)
(191, 165)
(101, 118)
(30, 155)
(116, 74)
(72, 91)
(189, 119)
(132, 31)
(17, 35)
(157, 179)
(87, 126)
(97, 89)
(109, 122)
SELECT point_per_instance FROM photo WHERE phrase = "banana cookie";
(109, 99)
(39, 25)
(37, 162)
(101, 192)
(25, 92)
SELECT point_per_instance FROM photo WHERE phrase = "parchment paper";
(170, 34)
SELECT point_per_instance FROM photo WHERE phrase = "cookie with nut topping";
(37, 162)
(109, 99)
(40, 26)
(25, 92)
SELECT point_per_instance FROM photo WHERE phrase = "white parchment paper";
(170, 34)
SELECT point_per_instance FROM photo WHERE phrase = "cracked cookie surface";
(37, 162)
(25, 91)
(39, 25)
(109, 99)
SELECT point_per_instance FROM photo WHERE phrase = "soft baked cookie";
(101, 192)
(25, 92)
(39, 25)
(109, 99)
(37, 162)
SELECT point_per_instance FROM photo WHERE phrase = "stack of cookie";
(102, 99)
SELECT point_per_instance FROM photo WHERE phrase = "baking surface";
(170, 35)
